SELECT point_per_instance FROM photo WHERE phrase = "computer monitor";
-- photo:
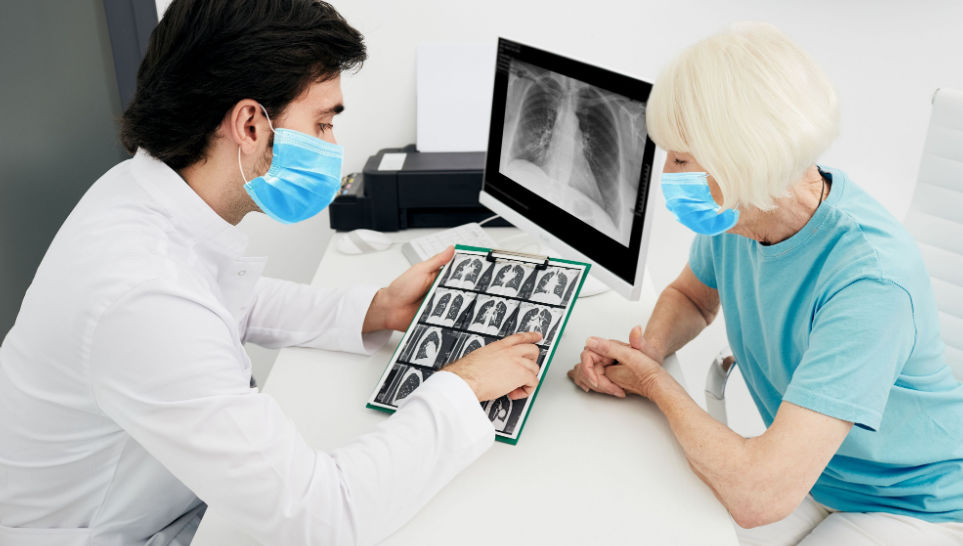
(570, 161)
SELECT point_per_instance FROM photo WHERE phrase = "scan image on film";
(476, 300)
(578, 146)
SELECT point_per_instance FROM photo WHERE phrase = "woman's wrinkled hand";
(614, 367)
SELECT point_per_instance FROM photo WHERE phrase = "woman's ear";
(716, 190)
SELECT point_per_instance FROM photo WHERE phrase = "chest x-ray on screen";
(576, 145)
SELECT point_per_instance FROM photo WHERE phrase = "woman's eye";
(680, 162)
(325, 127)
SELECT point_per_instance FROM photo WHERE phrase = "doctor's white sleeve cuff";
(463, 402)
(355, 306)
(436, 433)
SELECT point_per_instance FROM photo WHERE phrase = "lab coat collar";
(187, 210)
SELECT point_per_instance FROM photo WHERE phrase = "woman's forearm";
(675, 321)
(760, 480)
(728, 463)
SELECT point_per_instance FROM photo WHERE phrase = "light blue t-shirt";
(840, 319)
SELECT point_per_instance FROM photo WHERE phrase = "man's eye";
(325, 127)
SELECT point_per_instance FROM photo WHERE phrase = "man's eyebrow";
(336, 109)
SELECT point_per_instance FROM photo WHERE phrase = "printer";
(403, 188)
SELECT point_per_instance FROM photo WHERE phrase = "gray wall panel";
(59, 131)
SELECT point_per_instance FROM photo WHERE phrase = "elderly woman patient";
(827, 305)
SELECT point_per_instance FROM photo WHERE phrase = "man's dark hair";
(206, 55)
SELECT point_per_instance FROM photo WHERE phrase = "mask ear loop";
(271, 125)
(239, 166)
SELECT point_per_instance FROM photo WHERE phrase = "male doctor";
(125, 403)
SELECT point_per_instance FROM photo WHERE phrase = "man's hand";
(603, 371)
(394, 307)
(507, 366)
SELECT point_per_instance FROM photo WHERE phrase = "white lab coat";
(124, 391)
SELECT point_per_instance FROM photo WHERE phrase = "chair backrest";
(935, 218)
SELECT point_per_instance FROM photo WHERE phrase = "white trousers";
(813, 524)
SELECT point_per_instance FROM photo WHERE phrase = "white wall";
(885, 57)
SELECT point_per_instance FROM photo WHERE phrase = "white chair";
(935, 220)
(935, 217)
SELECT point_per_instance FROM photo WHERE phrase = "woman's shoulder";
(866, 238)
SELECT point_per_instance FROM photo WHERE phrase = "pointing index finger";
(522, 337)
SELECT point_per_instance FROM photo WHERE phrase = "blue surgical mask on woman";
(687, 196)
(304, 177)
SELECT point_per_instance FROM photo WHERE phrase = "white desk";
(588, 469)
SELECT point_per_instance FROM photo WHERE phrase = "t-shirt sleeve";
(700, 260)
(861, 338)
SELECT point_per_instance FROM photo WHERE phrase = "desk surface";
(588, 469)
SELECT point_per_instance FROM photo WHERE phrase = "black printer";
(409, 189)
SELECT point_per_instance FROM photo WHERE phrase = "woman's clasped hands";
(615, 367)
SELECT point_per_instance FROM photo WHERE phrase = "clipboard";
(483, 295)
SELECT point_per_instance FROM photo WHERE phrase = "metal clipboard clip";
(541, 262)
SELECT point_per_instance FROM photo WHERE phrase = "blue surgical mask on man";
(304, 177)
(688, 198)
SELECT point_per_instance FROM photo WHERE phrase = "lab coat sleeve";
(169, 371)
(287, 314)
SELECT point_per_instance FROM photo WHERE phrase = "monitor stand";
(591, 286)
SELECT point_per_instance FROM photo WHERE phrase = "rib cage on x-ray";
(426, 352)
(447, 306)
(551, 286)
(411, 380)
(466, 272)
(537, 318)
(403, 380)
(471, 343)
(554, 285)
(489, 314)
(587, 142)
(508, 279)
(438, 312)
(600, 142)
(540, 108)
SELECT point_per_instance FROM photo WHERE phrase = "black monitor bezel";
(598, 247)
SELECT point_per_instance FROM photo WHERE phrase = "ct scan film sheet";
(476, 300)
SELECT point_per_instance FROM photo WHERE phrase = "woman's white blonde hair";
(750, 106)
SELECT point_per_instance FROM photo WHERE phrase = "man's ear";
(246, 125)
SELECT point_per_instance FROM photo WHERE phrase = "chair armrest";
(716, 379)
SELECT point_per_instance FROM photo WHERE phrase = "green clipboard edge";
(548, 359)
